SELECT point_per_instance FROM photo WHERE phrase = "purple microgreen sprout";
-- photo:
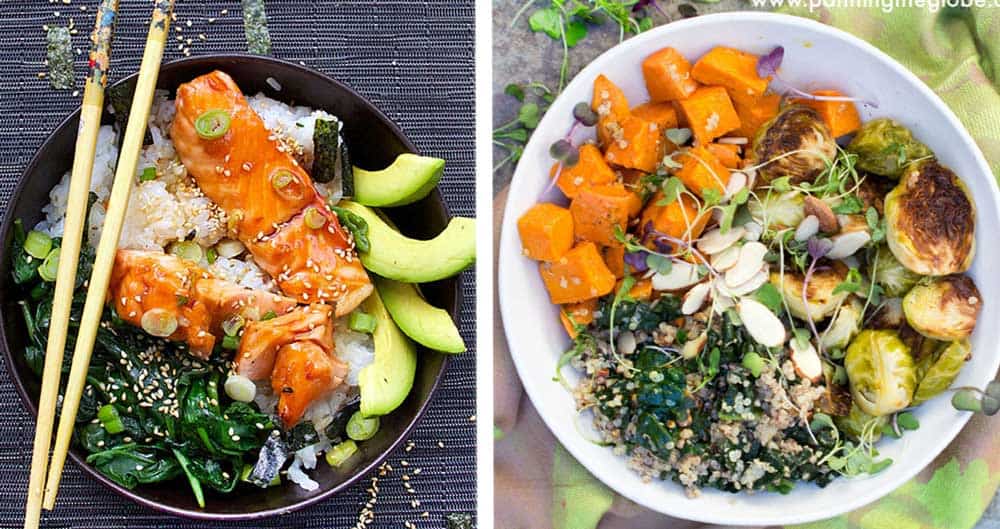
(817, 248)
(637, 260)
(768, 65)
(642, 4)
(564, 150)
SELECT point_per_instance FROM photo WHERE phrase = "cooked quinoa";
(701, 421)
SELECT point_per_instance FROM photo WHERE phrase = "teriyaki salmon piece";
(173, 298)
(272, 203)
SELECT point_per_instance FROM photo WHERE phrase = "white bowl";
(816, 56)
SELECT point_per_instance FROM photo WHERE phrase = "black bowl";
(374, 143)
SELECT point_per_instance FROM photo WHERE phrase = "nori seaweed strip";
(331, 161)
(255, 26)
(119, 97)
(60, 58)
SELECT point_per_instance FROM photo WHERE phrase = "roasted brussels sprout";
(872, 191)
(894, 278)
(888, 315)
(795, 143)
(846, 323)
(777, 211)
(819, 293)
(931, 220)
(856, 420)
(881, 372)
(884, 147)
(938, 369)
(944, 309)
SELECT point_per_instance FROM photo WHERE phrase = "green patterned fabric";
(954, 51)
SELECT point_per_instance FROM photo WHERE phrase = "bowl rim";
(454, 304)
(568, 439)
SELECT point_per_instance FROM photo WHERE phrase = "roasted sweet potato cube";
(727, 153)
(638, 145)
(577, 276)
(546, 232)
(730, 68)
(573, 315)
(754, 111)
(614, 257)
(679, 218)
(663, 114)
(709, 113)
(611, 106)
(701, 170)
(598, 210)
(589, 170)
(841, 117)
(668, 75)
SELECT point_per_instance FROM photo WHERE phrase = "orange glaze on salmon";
(254, 178)
(199, 303)
(296, 351)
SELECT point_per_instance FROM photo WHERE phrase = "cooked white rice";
(172, 208)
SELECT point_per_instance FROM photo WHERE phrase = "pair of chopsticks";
(83, 162)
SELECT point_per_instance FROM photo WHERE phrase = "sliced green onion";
(361, 428)
(189, 250)
(230, 342)
(50, 266)
(314, 218)
(148, 174)
(269, 315)
(212, 124)
(211, 255)
(281, 178)
(362, 322)
(37, 244)
(158, 322)
(240, 388)
(232, 325)
(340, 453)
(110, 420)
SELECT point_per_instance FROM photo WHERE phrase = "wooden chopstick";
(69, 256)
(114, 218)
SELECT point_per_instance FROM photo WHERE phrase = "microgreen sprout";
(768, 65)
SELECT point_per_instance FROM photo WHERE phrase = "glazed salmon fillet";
(253, 177)
(179, 291)
(296, 351)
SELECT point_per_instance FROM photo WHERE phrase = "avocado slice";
(409, 260)
(387, 381)
(424, 323)
(409, 178)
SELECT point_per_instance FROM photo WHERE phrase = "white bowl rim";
(570, 439)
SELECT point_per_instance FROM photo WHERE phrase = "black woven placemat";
(412, 59)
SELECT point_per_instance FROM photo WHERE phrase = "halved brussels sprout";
(881, 372)
(819, 293)
(944, 309)
(872, 191)
(796, 143)
(777, 211)
(856, 420)
(894, 278)
(931, 220)
(884, 147)
(888, 315)
(940, 368)
(844, 326)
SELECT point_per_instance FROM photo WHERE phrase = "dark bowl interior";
(374, 142)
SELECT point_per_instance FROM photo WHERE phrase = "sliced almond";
(821, 210)
(725, 259)
(682, 275)
(752, 284)
(694, 346)
(762, 324)
(695, 298)
(847, 244)
(807, 228)
(754, 231)
(806, 360)
(737, 181)
(749, 263)
(625, 343)
(721, 303)
(715, 241)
